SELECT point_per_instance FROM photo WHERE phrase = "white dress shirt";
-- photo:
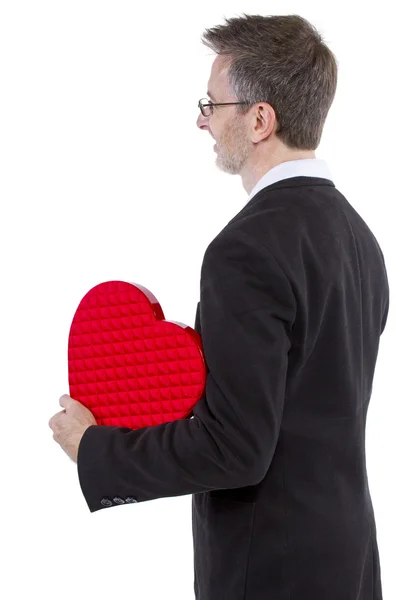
(306, 167)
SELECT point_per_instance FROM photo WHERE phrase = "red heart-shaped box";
(129, 366)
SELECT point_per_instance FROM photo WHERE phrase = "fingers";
(54, 417)
(65, 400)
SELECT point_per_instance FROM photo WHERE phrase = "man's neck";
(250, 176)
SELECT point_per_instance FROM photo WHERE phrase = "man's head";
(286, 76)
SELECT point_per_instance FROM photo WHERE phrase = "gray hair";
(284, 61)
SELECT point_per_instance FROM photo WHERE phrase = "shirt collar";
(306, 167)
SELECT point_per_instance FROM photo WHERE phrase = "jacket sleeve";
(247, 310)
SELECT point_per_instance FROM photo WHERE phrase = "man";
(293, 299)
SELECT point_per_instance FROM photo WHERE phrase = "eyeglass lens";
(206, 110)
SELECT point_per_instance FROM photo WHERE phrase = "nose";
(202, 121)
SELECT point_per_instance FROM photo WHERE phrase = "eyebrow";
(211, 96)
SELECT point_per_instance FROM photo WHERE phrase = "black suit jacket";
(294, 296)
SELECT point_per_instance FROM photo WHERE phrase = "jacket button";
(106, 502)
(130, 499)
(118, 500)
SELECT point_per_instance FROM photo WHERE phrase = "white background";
(104, 175)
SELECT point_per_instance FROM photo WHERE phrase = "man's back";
(305, 529)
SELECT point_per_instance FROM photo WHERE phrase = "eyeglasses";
(206, 107)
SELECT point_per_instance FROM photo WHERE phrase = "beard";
(233, 147)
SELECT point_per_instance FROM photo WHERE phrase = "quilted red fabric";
(129, 366)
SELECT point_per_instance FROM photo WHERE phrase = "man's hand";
(70, 424)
